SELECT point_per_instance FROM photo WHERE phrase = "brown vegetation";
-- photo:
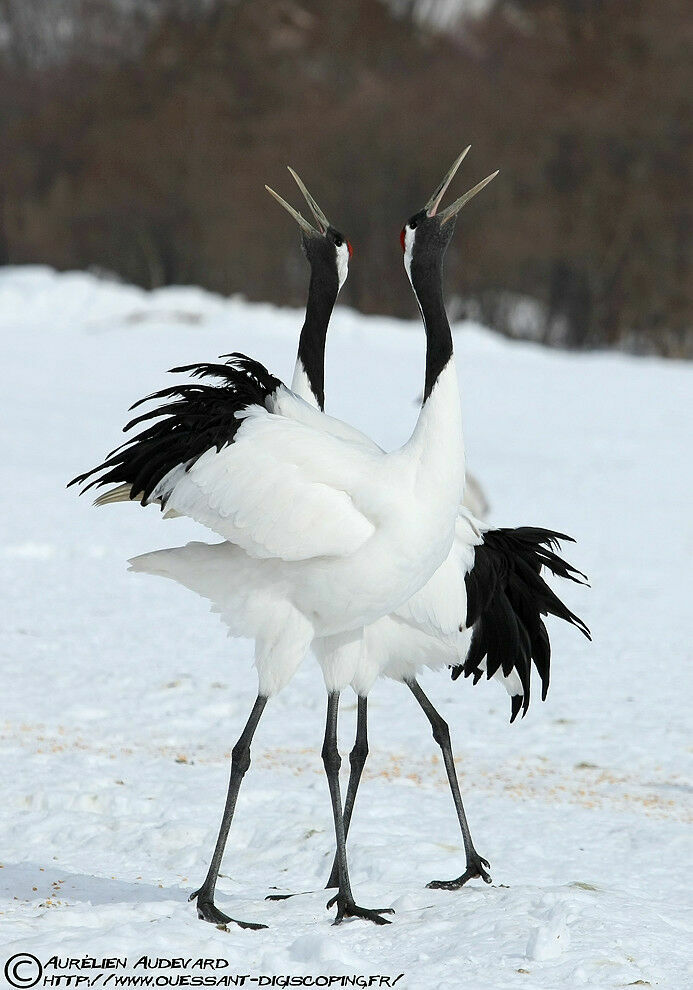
(153, 165)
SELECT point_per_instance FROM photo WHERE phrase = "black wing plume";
(189, 419)
(507, 598)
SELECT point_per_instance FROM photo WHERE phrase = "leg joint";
(359, 753)
(331, 758)
(441, 731)
(240, 758)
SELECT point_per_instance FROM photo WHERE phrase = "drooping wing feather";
(230, 457)
(506, 600)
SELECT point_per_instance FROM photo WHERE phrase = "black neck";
(428, 286)
(322, 294)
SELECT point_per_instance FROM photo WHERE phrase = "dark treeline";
(149, 160)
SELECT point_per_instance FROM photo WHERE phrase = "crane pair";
(330, 543)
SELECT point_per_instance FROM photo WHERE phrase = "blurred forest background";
(137, 134)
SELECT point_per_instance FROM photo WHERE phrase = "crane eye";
(338, 241)
(412, 225)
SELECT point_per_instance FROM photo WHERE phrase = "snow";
(122, 697)
(441, 15)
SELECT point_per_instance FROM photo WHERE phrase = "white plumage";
(283, 489)
(333, 529)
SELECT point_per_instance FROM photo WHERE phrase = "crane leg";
(357, 759)
(344, 899)
(477, 866)
(240, 761)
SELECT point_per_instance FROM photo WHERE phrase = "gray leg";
(441, 733)
(240, 761)
(344, 899)
(357, 759)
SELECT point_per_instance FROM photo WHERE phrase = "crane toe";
(347, 908)
(208, 911)
(476, 867)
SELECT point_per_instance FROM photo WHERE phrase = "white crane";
(490, 586)
(323, 533)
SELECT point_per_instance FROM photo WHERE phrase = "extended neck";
(309, 375)
(436, 445)
(438, 432)
(428, 287)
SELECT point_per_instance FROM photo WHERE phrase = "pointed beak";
(434, 202)
(320, 218)
(300, 220)
(451, 211)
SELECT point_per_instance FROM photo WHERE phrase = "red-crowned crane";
(481, 612)
(323, 533)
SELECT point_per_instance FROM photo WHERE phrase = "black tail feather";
(507, 598)
(515, 706)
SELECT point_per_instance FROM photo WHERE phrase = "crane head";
(323, 244)
(427, 233)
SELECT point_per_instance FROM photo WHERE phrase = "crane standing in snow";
(324, 532)
(490, 586)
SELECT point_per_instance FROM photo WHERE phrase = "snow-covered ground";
(121, 696)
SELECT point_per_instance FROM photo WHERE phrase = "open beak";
(450, 211)
(321, 220)
(434, 202)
